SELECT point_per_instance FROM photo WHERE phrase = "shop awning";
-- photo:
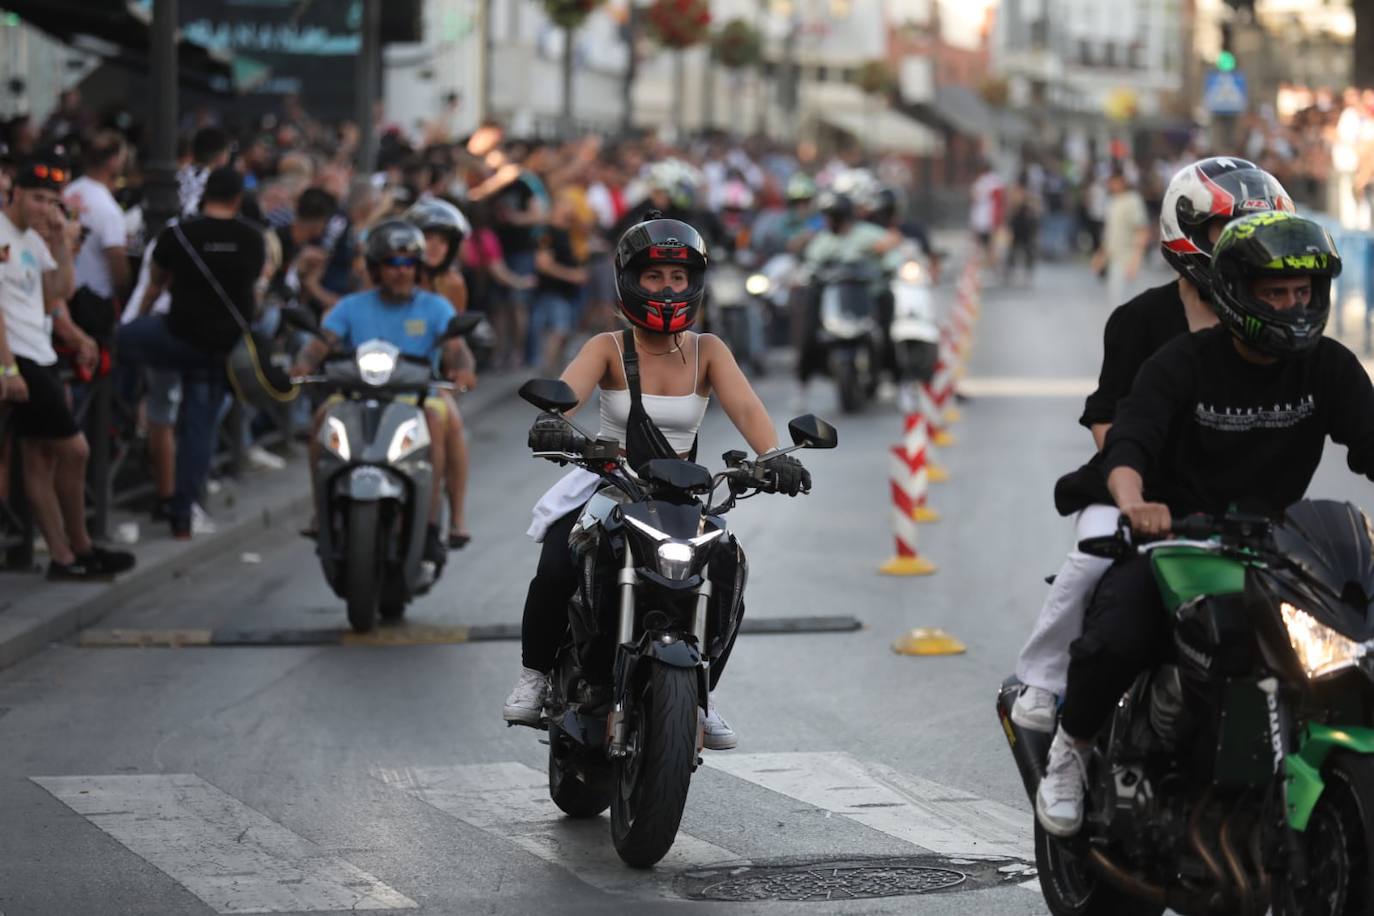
(885, 130)
(120, 32)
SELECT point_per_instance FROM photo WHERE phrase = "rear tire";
(651, 782)
(578, 792)
(851, 388)
(1339, 842)
(1071, 887)
(363, 577)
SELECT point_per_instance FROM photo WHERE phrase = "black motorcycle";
(849, 328)
(645, 626)
(1239, 775)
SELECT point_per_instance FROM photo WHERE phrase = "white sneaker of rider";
(717, 735)
(526, 702)
(1059, 798)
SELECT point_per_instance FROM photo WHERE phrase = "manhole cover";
(850, 879)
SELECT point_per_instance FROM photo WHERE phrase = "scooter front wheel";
(364, 572)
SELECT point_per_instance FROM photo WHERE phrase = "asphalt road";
(329, 778)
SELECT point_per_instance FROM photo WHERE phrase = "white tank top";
(678, 417)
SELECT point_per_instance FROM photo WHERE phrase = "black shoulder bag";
(644, 441)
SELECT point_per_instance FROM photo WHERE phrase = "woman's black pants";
(544, 627)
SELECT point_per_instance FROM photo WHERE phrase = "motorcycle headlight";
(757, 285)
(334, 437)
(376, 361)
(911, 272)
(411, 435)
(675, 559)
(1321, 650)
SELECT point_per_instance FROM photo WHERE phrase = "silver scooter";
(374, 479)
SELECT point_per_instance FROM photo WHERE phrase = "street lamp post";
(161, 171)
(366, 77)
(627, 88)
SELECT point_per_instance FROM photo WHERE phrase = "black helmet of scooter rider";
(1221, 188)
(393, 238)
(886, 207)
(837, 208)
(668, 242)
(442, 217)
(1281, 245)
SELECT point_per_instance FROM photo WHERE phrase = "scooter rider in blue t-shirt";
(403, 315)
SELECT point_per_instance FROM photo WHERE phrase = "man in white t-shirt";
(102, 265)
(36, 279)
(1125, 236)
(987, 209)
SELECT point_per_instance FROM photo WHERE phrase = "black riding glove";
(551, 433)
(786, 475)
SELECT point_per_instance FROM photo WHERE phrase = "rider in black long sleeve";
(1234, 415)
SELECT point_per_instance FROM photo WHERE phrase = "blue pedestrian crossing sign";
(1225, 93)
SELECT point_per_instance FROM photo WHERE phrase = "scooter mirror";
(549, 394)
(810, 431)
(463, 325)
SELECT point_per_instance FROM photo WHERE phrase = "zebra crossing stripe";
(232, 857)
(944, 820)
(511, 801)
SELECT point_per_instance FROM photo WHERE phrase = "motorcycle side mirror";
(551, 394)
(462, 325)
(810, 431)
(1107, 546)
(302, 319)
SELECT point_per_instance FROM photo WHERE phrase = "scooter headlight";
(757, 285)
(911, 272)
(410, 436)
(1321, 650)
(376, 361)
(334, 438)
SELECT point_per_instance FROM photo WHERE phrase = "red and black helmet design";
(1222, 188)
(660, 241)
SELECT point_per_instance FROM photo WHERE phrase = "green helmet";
(1273, 244)
(800, 187)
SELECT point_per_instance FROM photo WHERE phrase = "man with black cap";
(211, 264)
(36, 272)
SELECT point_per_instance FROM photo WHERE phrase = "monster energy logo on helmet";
(1253, 326)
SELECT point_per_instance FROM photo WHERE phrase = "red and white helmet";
(1221, 188)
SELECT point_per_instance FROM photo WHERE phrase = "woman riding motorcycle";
(660, 266)
(445, 227)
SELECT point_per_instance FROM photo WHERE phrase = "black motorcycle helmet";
(885, 207)
(1221, 188)
(1275, 244)
(435, 215)
(837, 207)
(660, 241)
(394, 238)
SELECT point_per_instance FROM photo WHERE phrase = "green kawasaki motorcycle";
(1238, 777)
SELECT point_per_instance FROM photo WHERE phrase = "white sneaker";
(201, 522)
(717, 735)
(1059, 799)
(260, 458)
(1035, 709)
(526, 702)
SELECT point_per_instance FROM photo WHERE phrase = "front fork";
(627, 581)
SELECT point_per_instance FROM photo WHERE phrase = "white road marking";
(944, 820)
(1026, 387)
(233, 858)
(511, 801)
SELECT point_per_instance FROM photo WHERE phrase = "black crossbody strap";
(630, 359)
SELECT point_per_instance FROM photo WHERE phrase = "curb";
(30, 626)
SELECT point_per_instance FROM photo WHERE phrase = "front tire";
(1071, 887)
(851, 388)
(1339, 846)
(653, 778)
(363, 577)
(578, 792)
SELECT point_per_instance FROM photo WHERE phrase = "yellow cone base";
(936, 474)
(925, 514)
(928, 641)
(907, 566)
(952, 415)
(942, 439)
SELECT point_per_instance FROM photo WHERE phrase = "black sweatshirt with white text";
(1207, 429)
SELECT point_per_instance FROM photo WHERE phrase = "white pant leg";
(1044, 660)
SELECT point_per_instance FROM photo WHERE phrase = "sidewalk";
(35, 612)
